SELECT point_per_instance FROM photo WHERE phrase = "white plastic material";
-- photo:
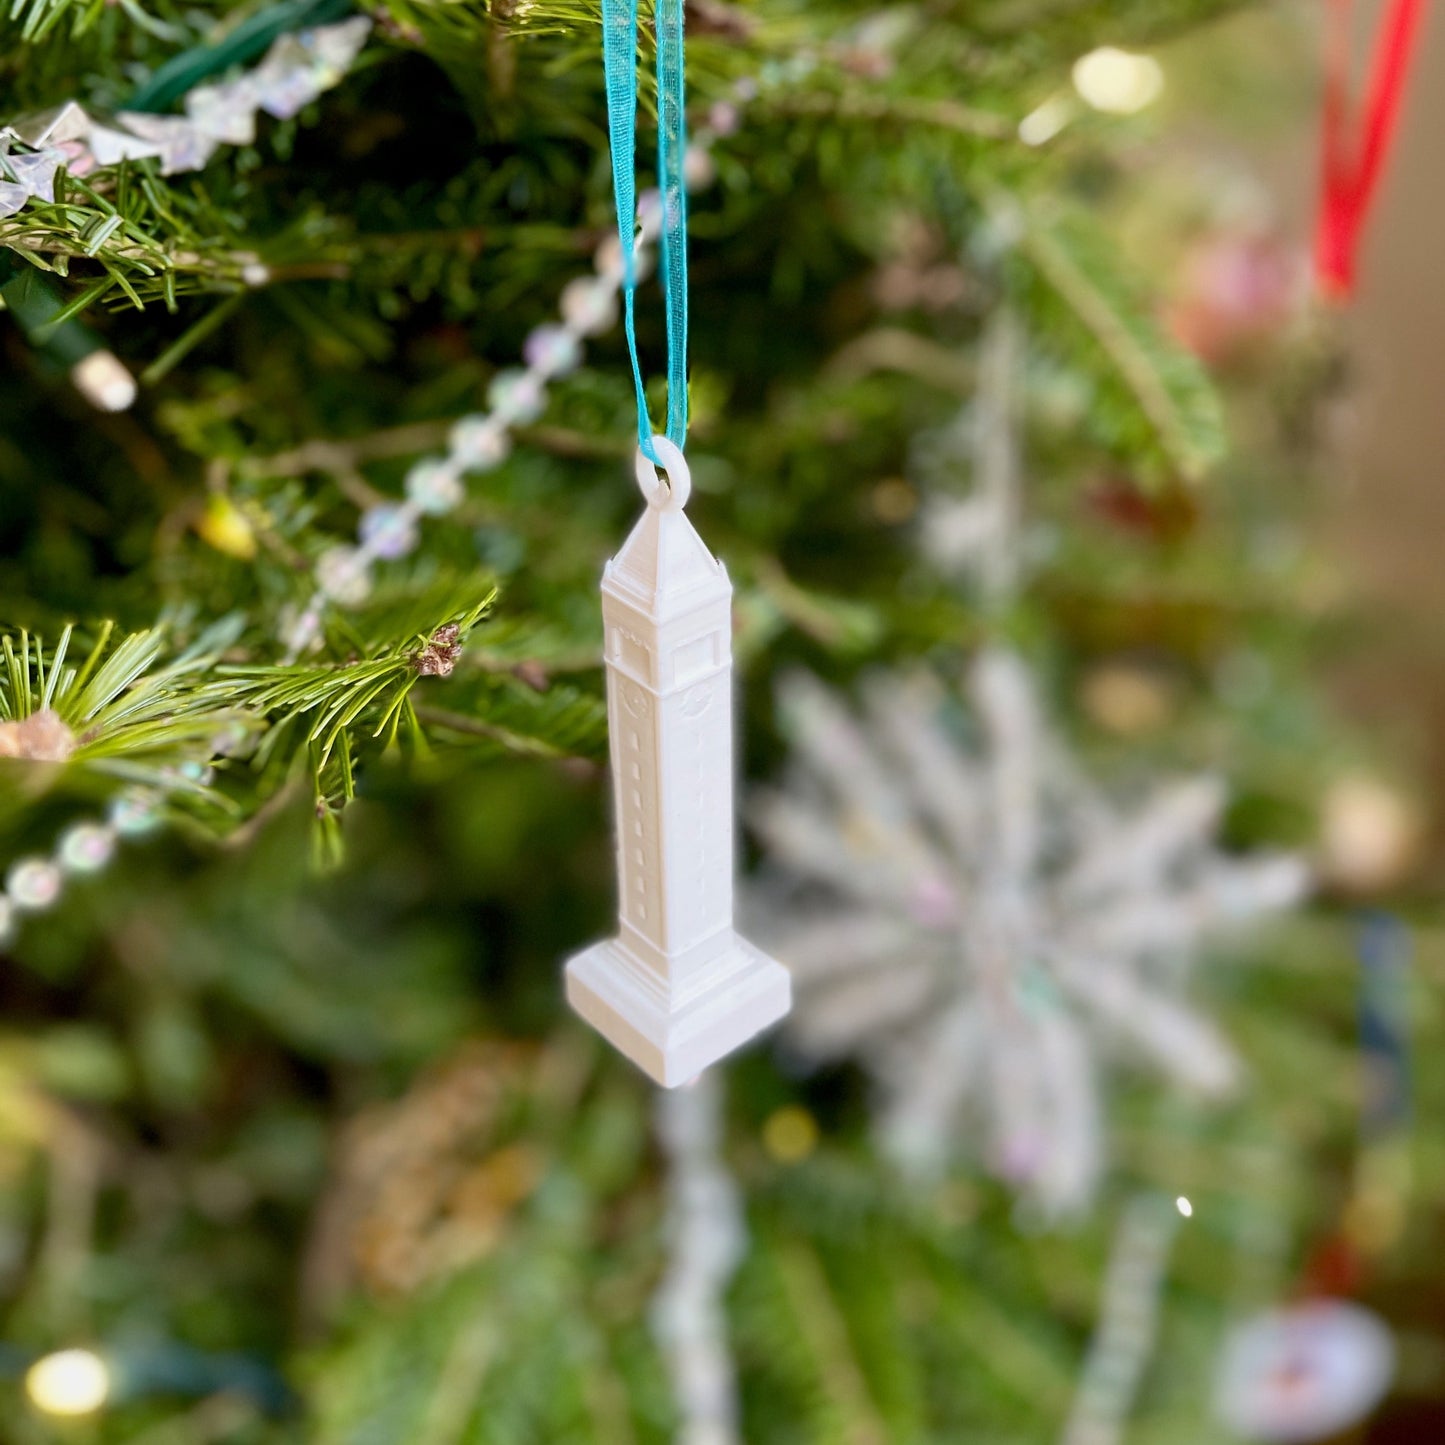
(677, 989)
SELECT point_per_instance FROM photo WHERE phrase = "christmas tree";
(319, 429)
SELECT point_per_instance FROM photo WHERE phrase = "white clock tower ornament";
(677, 988)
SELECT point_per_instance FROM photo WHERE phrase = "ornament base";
(674, 1042)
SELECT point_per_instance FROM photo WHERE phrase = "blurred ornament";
(699, 167)
(1371, 835)
(790, 1134)
(1384, 951)
(1235, 291)
(981, 924)
(1126, 699)
(965, 910)
(1307, 1372)
(428, 1184)
(895, 501)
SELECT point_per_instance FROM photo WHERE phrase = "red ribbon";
(1352, 168)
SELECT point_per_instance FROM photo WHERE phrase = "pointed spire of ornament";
(664, 564)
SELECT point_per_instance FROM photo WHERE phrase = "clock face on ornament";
(1304, 1373)
(697, 700)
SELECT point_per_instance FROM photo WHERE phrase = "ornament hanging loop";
(671, 495)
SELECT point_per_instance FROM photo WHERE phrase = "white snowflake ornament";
(980, 925)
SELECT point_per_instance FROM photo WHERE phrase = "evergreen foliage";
(386, 858)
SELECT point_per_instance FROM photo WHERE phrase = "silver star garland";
(705, 1242)
(295, 71)
(1128, 1326)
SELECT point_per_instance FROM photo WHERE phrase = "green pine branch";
(119, 698)
(1158, 403)
(320, 707)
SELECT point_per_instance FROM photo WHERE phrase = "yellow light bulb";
(69, 1382)
(790, 1134)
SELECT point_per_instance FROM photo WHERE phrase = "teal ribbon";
(619, 51)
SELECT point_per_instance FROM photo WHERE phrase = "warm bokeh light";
(69, 1382)
(1118, 81)
(1044, 122)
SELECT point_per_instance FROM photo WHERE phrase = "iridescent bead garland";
(478, 443)
(33, 884)
(296, 70)
(517, 396)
